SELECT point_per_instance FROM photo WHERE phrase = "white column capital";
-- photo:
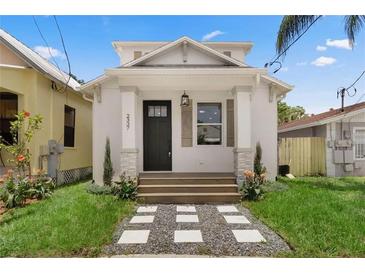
(237, 89)
(133, 89)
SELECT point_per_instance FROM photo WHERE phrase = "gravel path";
(218, 239)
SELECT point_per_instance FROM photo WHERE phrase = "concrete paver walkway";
(224, 230)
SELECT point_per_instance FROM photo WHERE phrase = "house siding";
(36, 96)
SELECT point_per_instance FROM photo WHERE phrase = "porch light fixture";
(184, 100)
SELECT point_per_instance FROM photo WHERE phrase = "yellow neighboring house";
(29, 82)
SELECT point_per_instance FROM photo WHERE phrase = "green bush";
(42, 188)
(126, 188)
(98, 189)
(17, 190)
(253, 180)
(14, 194)
(108, 166)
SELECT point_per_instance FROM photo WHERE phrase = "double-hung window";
(359, 143)
(209, 124)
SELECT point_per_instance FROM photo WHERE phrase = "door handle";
(169, 154)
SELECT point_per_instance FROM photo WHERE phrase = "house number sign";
(128, 121)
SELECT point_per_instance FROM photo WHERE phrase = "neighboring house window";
(8, 110)
(359, 141)
(227, 53)
(137, 54)
(209, 124)
(69, 130)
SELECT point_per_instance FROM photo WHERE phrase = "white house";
(138, 105)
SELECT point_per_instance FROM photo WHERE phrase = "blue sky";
(315, 65)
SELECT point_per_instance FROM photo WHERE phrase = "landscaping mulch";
(217, 235)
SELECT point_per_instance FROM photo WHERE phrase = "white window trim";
(222, 124)
(354, 144)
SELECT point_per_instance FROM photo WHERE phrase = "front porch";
(186, 187)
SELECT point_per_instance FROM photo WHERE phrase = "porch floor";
(186, 175)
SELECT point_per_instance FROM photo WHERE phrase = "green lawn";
(71, 223)
(318, 217)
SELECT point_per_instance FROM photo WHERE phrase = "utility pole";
(342, 93)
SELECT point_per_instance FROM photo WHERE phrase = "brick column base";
(128, 162)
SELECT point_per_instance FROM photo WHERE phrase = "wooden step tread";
(188, 194)
(188, 185)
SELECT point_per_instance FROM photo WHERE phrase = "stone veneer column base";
(128, 162)
(243, 160)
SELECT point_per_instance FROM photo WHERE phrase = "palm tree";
(294, 26)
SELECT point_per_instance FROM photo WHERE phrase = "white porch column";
(242, 117)
(129, 151)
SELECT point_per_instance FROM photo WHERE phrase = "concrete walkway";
(210, 230)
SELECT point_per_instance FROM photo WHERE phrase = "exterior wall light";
(184, 100)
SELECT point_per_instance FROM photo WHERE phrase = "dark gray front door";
(157, 135)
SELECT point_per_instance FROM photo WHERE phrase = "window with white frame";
(209, 124)
(359, 142)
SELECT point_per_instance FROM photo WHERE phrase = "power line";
(48, 47)
(269, 64)
(342, 91)
(64, 49)
(357, 80)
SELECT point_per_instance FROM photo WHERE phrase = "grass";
(318, 217)
(70, 223)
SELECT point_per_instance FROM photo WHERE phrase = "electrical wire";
(292, 43)
(65, 51)
(47, 45)
(357, 80)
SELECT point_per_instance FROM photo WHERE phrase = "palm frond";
(353, 24)
(291, 27)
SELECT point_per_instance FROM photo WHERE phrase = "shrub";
(98, 189)
(14, 194)
(108, 166)
(20, 153)
(254, 180)
(258, 168)
(126, 188)
(17, 190)
(42, 187)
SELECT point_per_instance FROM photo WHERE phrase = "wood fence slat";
(306, 156)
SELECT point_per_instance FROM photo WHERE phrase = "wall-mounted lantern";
(184, 100)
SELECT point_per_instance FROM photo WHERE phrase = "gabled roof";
(190, 41)
(36, 61)
(321, 118)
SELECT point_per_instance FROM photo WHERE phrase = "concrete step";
(189, 198)
(187, 181)
(191, 188)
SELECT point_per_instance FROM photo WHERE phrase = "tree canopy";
(288, 113)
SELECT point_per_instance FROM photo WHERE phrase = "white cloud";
(47, 53)
(105, 20)
(284, 69)
(323, 61)
(211, 35)
(321, 48)
(304, 63)
(341, 44)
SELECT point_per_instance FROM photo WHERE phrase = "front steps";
(186, 188)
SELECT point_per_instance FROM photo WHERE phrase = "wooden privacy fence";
(306, 156)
